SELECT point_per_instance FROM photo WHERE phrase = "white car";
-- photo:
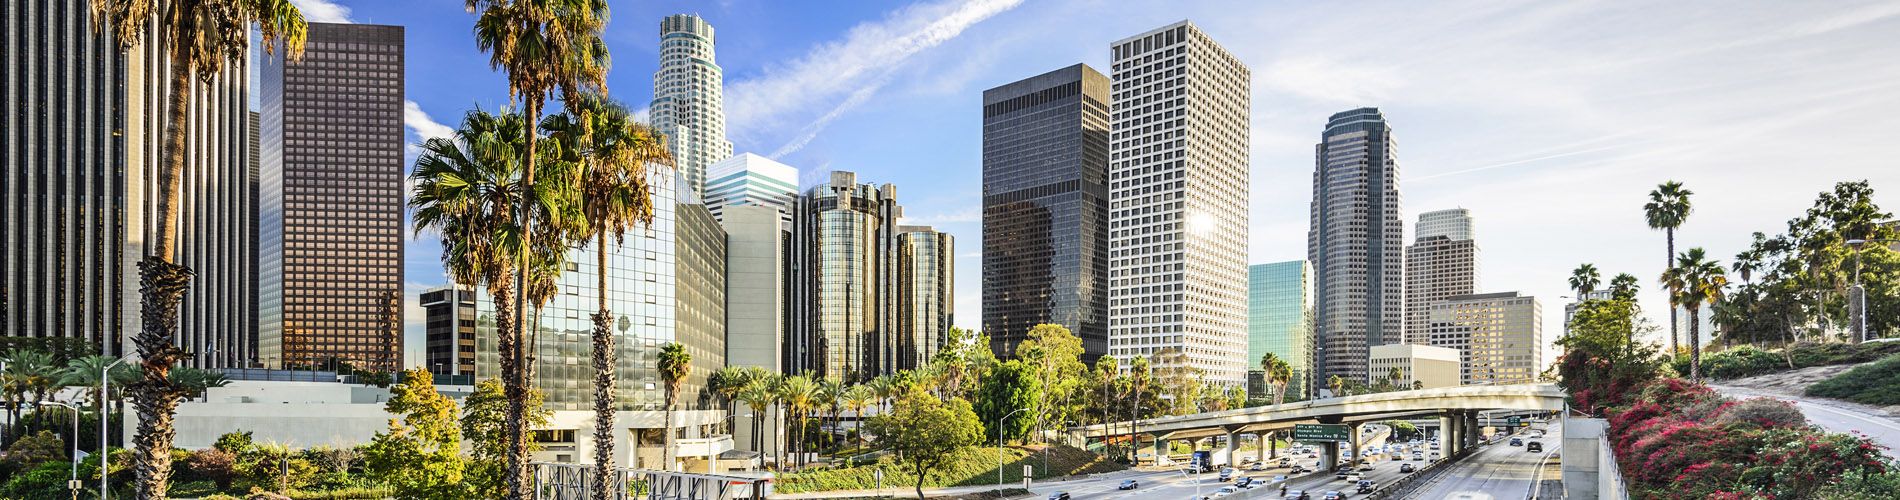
(1226, 490)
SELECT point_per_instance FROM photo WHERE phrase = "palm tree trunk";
(162, 286)
(1695, 344)
(666, 454)
(515, 384)
(603, 382)
(1668, 263)
(507, 342)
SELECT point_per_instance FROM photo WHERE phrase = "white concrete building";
(1441, 263)
(1178, 193)
(689, 103)
(755, 306)
(1434, 367)
(749, 179)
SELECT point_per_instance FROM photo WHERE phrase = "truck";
(1201, 461)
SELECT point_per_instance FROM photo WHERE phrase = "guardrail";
(563, 481)
(1424, 475)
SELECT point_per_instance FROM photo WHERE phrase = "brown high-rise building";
(330, 223)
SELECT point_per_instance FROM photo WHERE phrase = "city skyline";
(1479, 131)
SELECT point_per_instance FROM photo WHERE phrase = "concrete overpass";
(1456, 408)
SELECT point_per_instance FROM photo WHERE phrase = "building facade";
(700, 295)
(689, 103)
(1356, 242)
(1442, 262)
(756, 302)
(1045, 208)
(749, 179)
(1280, 321)
(331, 193)
(449, 330)
(1500, 334)
(926, 283)
(1178, 188)
(81, 140)
(844, 316)
(1419, 366)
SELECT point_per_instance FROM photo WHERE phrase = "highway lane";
(1835, 417)
(1498, 471)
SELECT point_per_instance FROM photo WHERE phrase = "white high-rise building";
(1452, 223)
(1178, 174)
(689, 103)
(1441, 263)
(749, 179)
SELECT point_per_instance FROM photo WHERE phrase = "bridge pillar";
(1161, 449)
(1444, 434)
(1473, 430)
(1269, 446)
(1233, 445)
(1358, 450)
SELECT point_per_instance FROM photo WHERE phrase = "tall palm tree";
(613, 149)
(468, 189)
(797, 393)
(541, 46)
(857, 398)
(726, 382)
(757, 395)
(674, 364)
(85, 371)
(199, 38)
(830, 392)
(1623, 286)
(30, 375)
(1668, 207)
(1277, 374)
(1695, 280)
(1584, 280)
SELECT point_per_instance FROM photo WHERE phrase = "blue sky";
(1550, 120)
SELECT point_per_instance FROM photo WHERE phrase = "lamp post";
(105, 387)
(713, 466)
(74, 483)
(999, 445)
(1857, 316)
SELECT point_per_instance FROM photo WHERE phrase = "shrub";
(1740, 362)
(47, 481)
(31, 451)
(235, 443)
(1765, 413)
(214, 465)
(1875, 384)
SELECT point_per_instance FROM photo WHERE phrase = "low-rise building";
(1430, 367)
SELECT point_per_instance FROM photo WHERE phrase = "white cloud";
(835, 77)
(323, 11)
(421, 126)
(964, 215)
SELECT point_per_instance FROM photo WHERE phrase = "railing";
(1405, 485)
(560, 481)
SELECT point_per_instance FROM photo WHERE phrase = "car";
(1227, 473)
(1312, 455)
(1418, 456)
(1299, 469)
(1278, 479)
(1517, 442)
(1407, 469)
(1332, 495)
(1366, 468)
(1284, 461)
(1060, 495)
(1342, 473)
(1243, 481)
(1258, 466)
(1436, 456)
(1534, 447)
(1297, 495)
(1129, 484)
(1364, 487)
(1434, 445)
(1225, 491)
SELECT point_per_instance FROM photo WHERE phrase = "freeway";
(1835, 416)
(1498, 471)
(1176, 484)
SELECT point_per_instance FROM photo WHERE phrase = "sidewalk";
(908, 492)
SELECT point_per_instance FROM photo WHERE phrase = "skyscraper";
(926, 275)
(1178, 176)
(689, 103)
(1442, 262)
(1356, 242)
(1280, 321)
(749, 179)
(699, 294)
(449, 330)
(80, 189)
(1045, 208)
(331, 241)
(1501, 335)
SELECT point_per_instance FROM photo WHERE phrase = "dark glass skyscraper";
(1356, 243)
(1045, 208)
(331, 195)
(80, 157)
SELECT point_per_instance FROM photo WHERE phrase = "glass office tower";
(1280, 321)
(1356, 242)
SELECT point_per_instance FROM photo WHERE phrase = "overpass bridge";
(1456, 408)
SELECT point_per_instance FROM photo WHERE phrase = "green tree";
(85, 371)
(674, 365)
(486, 429)
(1624, 286)
(1668, 207)
(759, 396)
(198, 38)
(1602, 366)
(34, 449)
(925, 430)
(1584, 280)
(1338, 384)
(419, 456)
(796, 393)
(1055, 355)
(1007, 397)
(857, 398)
(964, 359)
(1278, 374)
(1695, 280)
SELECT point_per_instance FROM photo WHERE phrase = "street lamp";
(105, 387)
(74, 483)
(1858, 316)
(999, 446)
(713, 466)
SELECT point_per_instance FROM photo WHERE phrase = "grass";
(967, 467)
(1748, 361)
(1877, 383)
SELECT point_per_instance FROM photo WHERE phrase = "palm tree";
(29, 375)
(830, 390)
(1668, 207)
(468, 189)
(1392, 377)
(1278, 374)
(1338, 384)
(727, 381)
(1623, 287)
(541, 46)
(1418, 384)
(797, 393)
(1584, 280)
(757, 394)
(857, 398)
(1692, 282)
(674, 364)
(198, 38)
(613, 149)
(85, 371)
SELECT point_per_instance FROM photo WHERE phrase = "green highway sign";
(1516, 421)
(1319, 433)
